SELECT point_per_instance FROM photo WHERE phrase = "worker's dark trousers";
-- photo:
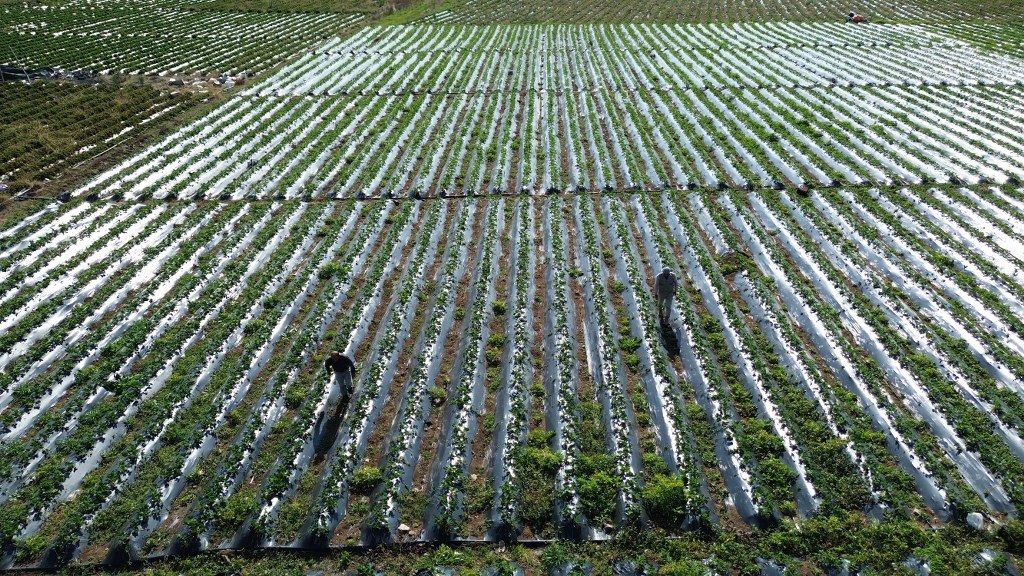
(329, 421)
(344, 380)
(664, 308)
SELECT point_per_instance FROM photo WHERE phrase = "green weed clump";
(665, 499)
(365, 479)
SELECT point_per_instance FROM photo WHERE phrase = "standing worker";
(665, 286)
(344, 372)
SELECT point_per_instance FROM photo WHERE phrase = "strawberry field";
(846, 350)
(637, 107)
(472, 199)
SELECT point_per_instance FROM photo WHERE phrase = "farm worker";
(344, 371)
(855, 18)
(665, 286)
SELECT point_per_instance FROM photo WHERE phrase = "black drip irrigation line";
(311, 552)
(723, 89)
(67, 197)
(255, 37)
(747, 47)
(26, 195)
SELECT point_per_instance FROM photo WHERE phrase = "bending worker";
(665, 286)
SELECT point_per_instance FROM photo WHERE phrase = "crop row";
(600, 140)
(162, 384)
(536, 12)
(1003, 38)
(529, 109)
(680, 55)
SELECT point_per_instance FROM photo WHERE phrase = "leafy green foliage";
(329, 270)
(365, 479)
(237, 509)
(598, 495)
(665, 500)
(538, 465)
(499, 307)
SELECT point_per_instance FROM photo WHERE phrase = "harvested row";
(51, 129)
(128, 21)
(109, 4)
(160, 41)
(823, 354)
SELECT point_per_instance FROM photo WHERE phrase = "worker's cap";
(666, 270)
